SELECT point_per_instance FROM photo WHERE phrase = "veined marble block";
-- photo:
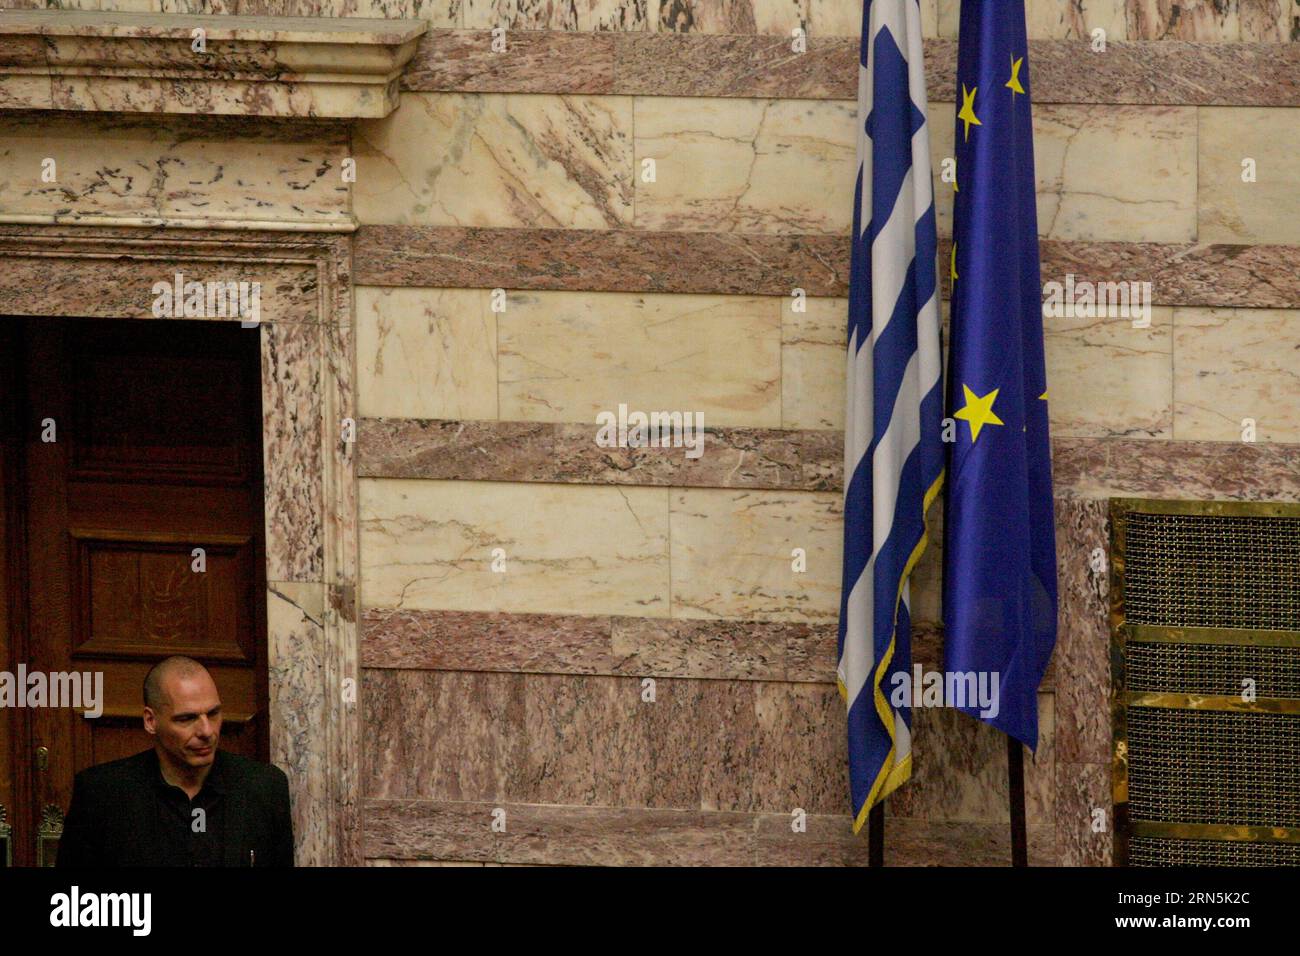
(570, 356)
(563, 548)
(813, 356)
(1106, 378)
(1237, 372)
(1248, 182)
(733, 554)
(426, 353)
(726, 165)
(498, 160)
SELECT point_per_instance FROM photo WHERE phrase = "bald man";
(183, 803)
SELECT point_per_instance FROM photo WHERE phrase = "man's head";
(182, 710)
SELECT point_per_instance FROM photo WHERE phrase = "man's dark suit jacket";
(113, 819)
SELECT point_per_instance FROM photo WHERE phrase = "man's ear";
(150, 722)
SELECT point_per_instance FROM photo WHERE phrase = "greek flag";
(893, 452)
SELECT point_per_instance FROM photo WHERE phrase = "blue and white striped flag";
(893, 452)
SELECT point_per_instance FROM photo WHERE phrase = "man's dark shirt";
(190, 839)
(124, 813)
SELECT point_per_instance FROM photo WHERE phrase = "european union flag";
(999, 595)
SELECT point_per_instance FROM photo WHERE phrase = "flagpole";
(876, 835)
(1016, 788)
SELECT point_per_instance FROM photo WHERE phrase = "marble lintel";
(100, 61)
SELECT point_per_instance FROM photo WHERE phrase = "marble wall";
(1213, 20)
(579, 223)
(520, 584)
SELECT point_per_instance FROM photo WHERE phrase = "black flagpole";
(1016, 786)
(876, 835)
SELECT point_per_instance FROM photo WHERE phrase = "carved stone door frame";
(308, 355)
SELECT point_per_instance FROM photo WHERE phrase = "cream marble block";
(204, 172)
(1106, 378)
(566, 356)
(1264, 211)
(1267, 21)
(778, 17)
(585, 15)
(929, 19)
(813, 355)
(1074, 19)
(925, 587)
(1212, 20)
(942, 123)
(538, 14)
(742, 17)
(732, 554)
(497, 160)
(731, 165)
(426, 353)
(49, 4)
(440, 13)
(1234, 364)
(1060, 19)
(1195, 19)
(1116, 173)
(844, 18)
(296, 666)
(569, 549)
(948, 18)
(1104, 173)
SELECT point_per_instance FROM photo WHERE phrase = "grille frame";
(1220, 626)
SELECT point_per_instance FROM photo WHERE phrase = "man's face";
(188, 724)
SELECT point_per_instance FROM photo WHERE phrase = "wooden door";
(140, 493)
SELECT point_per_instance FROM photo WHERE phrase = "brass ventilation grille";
(1203, 766)
(1205, 615)
(1212, 571)
(1213, 668)
(1144, 851)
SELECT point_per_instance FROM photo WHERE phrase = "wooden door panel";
(135, 388)
(136, 506)
(144, 595)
